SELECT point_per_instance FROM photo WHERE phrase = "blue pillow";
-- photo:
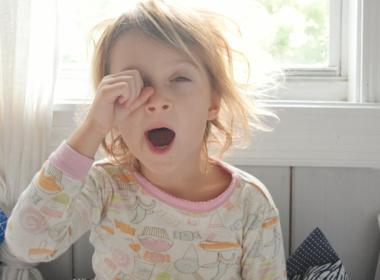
(3, 224)
(314, 255)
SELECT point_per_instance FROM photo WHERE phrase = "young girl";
(158, 207)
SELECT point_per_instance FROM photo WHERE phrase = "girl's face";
(181, 100)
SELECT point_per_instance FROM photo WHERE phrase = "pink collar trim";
(188, 205)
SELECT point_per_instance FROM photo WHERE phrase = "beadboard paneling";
(58, 269)
(82, 258)
(344, 204)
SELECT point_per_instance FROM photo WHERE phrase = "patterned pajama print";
(141, 232)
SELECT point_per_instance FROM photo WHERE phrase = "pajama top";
(140, 231)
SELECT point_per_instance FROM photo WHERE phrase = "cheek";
(132, 124)
(196, 125)
(128, 136)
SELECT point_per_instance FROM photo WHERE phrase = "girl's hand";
(117, 96)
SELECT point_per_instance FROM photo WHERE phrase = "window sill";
(317, 134)
(336, 134)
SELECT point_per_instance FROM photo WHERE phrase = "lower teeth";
(161, 147)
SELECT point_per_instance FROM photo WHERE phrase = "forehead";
(135, 48)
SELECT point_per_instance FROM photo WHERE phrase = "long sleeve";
(263, 252)
(61, 203)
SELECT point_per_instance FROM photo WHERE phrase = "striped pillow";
(315, 259)
(329, 271)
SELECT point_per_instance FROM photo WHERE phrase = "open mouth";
(160, 138)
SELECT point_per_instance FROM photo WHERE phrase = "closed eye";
(181, 79)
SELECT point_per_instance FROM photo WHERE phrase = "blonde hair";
(199, 34)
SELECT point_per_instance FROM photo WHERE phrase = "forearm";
(86, 140)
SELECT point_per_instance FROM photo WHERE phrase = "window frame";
(329, 83)
(369, 89)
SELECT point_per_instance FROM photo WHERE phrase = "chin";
(160, 165)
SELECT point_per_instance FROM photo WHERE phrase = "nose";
(157, 103)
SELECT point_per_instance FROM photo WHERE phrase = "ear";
(214, 108)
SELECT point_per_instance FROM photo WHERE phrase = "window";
(76, 18)
(309, 40)
(300, 33)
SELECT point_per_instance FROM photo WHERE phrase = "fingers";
(133, 85)
(131, 73)
(110, 92)
(125, 110)
(143, 97)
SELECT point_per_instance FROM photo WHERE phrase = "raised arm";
(61, 203)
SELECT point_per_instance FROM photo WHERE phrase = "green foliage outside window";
(301, 30)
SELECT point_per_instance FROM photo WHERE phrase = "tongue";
(161, 137)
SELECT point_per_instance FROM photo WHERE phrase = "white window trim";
(314, 133)
(364, 72)
(338, 21)
(370, 57)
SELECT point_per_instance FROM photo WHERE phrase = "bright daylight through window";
(296, 35)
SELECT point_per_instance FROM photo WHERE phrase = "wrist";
(86, 139)
(94, 130)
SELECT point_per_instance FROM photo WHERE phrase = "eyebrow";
(185, 61)
(177, 61)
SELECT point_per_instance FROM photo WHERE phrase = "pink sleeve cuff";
(70, 162)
